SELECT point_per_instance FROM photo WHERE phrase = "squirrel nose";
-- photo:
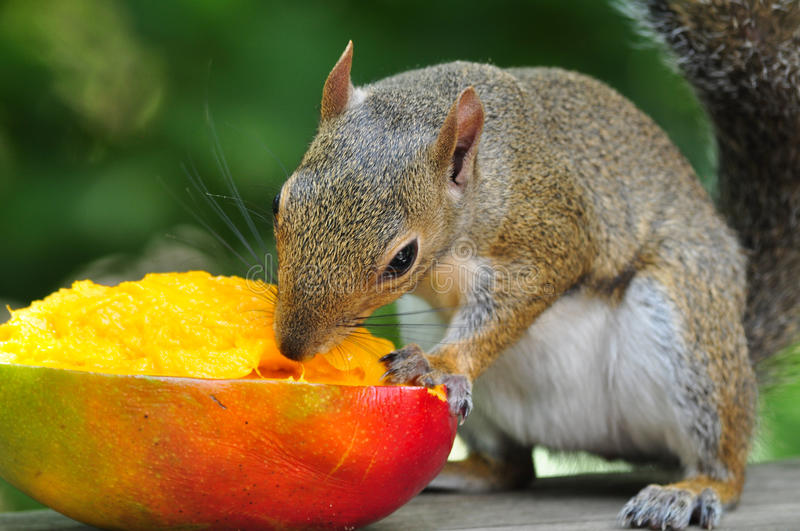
(293, 341)
(296, 334)
(293, 347)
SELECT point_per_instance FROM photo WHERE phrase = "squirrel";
(600, 301)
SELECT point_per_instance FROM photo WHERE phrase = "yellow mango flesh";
(176, 324)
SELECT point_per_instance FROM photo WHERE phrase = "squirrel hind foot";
(674, 506)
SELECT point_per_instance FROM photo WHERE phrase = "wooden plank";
(39, 520)
(590, 502)
(771, 502)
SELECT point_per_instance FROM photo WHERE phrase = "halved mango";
(137, 451)
(176, 324)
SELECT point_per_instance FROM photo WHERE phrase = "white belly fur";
(590, 375)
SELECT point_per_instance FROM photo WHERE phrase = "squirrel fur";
(598, 300)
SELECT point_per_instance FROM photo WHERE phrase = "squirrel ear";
(458, 138)
(338, 87)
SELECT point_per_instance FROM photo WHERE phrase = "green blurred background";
(102, 102)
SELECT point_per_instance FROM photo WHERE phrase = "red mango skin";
(144, 452)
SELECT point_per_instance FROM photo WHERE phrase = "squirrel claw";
(666, 507)
(410, 365)
(459, 394)
(407, 365)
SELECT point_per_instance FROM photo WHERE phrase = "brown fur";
(567, 186)
(750, 88)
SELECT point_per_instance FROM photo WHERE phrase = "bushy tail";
(743, 58)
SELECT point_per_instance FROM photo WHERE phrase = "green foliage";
(102, 101)
(13, 500)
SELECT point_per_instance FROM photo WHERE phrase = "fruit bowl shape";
(154, 452)
(145, 406)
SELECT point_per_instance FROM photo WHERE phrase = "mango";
(176, 324)
(231, 449)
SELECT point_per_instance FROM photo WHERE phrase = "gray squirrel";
(609, 307)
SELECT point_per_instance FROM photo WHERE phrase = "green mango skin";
(144, 452)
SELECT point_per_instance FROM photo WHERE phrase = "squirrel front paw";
(410, 365)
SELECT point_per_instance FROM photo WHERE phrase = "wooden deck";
(771, 502)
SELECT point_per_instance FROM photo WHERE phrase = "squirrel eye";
(402, 261)
(276, 204)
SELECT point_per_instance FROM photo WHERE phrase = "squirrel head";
(374, 202)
